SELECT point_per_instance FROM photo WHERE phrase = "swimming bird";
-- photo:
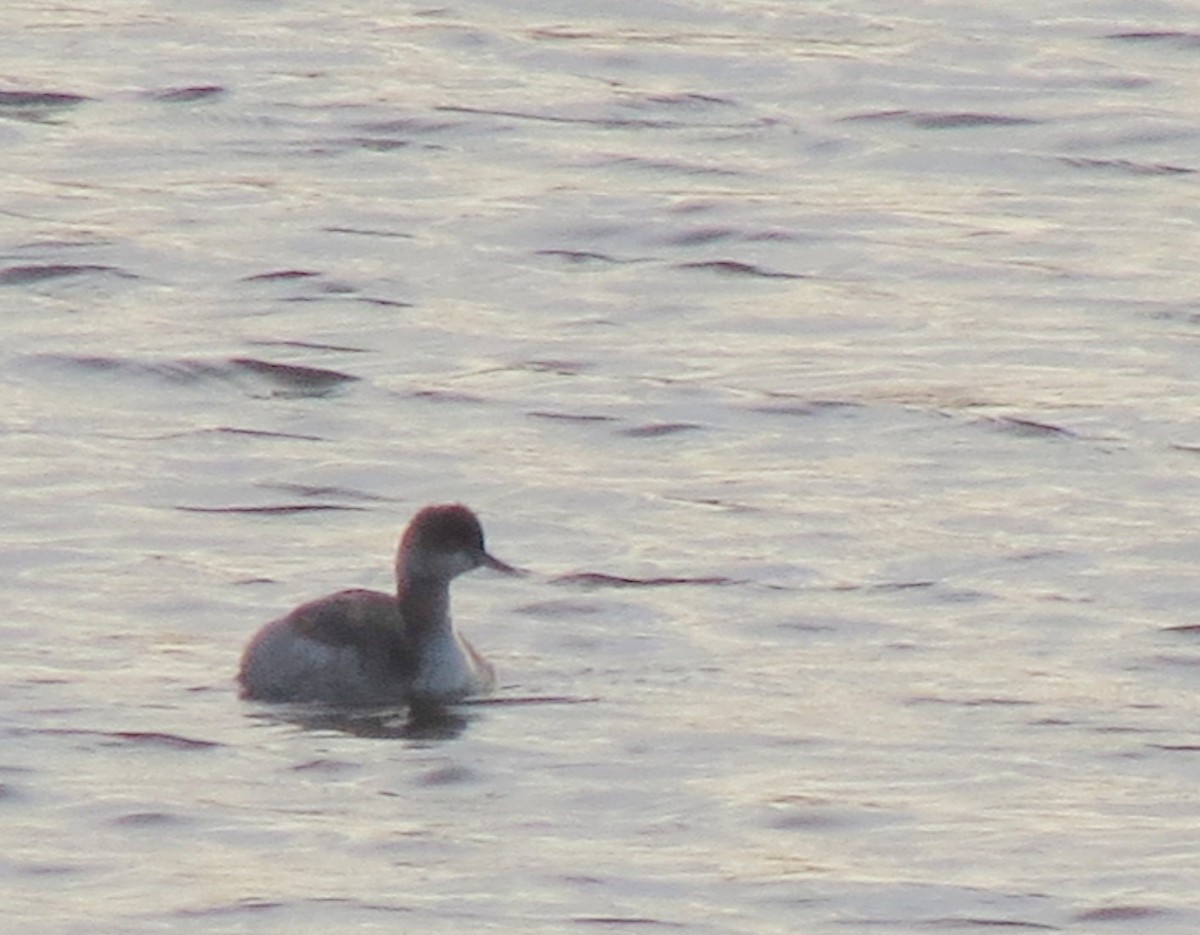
(361, 647)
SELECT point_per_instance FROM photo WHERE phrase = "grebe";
(366, 647)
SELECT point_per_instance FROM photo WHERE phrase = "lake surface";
(833, 367)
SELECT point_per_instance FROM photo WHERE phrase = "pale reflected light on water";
(832, 369)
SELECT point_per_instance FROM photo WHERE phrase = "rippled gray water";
(833, 367)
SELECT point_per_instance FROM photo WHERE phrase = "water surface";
(832, 365)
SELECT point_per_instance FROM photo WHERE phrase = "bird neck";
(424, 605)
